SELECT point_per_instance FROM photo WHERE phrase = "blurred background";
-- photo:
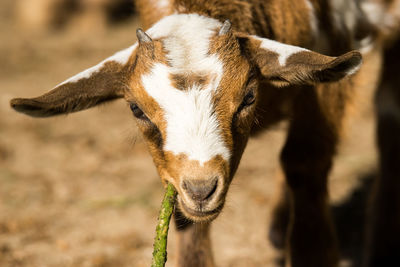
(81, 190)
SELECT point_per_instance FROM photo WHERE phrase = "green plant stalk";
(160, 242)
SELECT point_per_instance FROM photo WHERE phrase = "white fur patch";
(354, 69)
(283, 50)
(366, 45)
(345, 14)
(187, 40)
(192, 125)
(313, 18)
(377, 14)
(120, 57)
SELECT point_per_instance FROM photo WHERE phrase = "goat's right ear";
(99, 84)
(283, 64)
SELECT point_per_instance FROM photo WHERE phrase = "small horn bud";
(142, 36)
(225, 27)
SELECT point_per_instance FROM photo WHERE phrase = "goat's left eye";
(137, 112)
(248, 99)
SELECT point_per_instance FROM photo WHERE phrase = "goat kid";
(196, 86)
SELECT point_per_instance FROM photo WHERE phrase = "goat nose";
(200, 190)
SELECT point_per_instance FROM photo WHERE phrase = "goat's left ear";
(96, 85)
(285, 64)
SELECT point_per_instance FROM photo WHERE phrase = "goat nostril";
(200, 190)
(214, 185)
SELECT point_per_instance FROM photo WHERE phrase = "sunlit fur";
(192, 86)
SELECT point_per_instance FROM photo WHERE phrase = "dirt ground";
(81, 190)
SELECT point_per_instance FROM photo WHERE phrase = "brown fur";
(283, 21)
(316, 111)
(187, 81)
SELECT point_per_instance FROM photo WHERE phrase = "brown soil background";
(81, 190)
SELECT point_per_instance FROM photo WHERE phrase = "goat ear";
(285, 64)
(99, 84)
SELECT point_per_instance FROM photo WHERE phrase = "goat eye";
(249, 99)
(137, 112)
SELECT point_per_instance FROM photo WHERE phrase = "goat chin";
(198, 215)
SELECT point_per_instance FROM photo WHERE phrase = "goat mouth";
(198, 214)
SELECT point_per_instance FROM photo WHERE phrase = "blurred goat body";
(205, 71)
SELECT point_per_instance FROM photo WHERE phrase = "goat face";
(194, 98)
(192, 84)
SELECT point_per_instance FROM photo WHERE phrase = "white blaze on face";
(192, 125)
(284, 51)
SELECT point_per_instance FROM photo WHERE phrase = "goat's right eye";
(137, 112)
(249, 99)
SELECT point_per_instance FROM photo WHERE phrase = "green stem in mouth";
(160, 241)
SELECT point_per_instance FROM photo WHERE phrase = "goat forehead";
(186, 40)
